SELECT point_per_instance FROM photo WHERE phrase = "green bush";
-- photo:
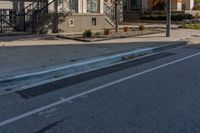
(153, 17)
(87, 33)
(191, 26)
(178, 17)
(98, 34)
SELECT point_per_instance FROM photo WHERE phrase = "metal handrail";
(29, 19)
(36, 13)
(6, 22)
(30, 5)
(109, 12)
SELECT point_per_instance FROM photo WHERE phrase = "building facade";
(156, 5)
(74, 15)
(133, 9)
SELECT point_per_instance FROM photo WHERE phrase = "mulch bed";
(113, 35)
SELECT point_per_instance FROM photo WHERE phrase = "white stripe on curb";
(82, 63)
(27, 114)
(103, 60)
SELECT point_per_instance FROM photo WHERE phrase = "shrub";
(87, 33)
(197, 7)
(177, 17)
(188, 16)
(107, 31)
(141, 27)
(98, 34)
(181, 17)
(197, 15)
(191, 26)
(153, 17)
(126, 29)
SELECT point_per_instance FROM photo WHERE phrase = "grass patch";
(191, 26)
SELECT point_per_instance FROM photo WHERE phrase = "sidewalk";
(20, 55)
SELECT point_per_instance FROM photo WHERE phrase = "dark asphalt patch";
(49, 127)
(57, 85)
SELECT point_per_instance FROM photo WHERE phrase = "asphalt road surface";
(156, 94)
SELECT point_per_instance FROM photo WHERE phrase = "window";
(135, 5)
(92, 6)
(72, 5)
(71, 22)
(94, 21)
(132, 5)
(125, 5)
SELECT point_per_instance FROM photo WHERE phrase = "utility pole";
(55, 17)
(168, 23)
(116, 15)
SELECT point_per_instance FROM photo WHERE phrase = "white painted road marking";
(19, 117)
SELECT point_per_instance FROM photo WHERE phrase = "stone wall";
(82, 22)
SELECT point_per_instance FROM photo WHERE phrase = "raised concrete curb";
(21, 82)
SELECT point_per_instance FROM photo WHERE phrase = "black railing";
(109, 11)
(32, 7)
(29, 20)
(10, 22)
(37, 16)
